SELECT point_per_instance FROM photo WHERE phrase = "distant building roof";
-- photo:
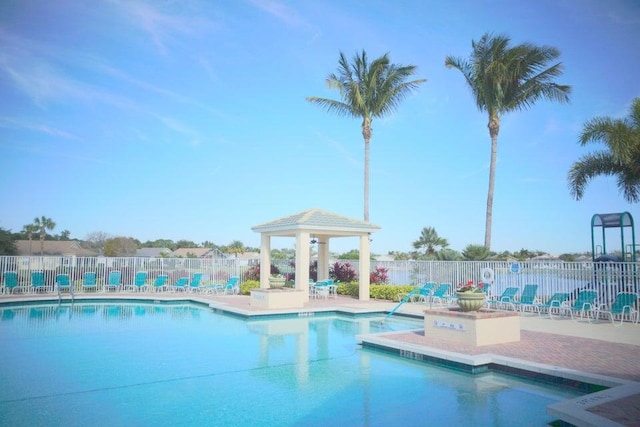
(154, 252)
(52, 247)
(198, 253)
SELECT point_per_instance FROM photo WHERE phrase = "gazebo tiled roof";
(321, 221)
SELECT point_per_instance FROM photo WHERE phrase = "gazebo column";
(302, 262)
(365, 267)
(323, 258)
(265, 260)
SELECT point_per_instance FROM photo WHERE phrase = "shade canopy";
(322, 226)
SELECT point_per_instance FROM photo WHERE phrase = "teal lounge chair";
(232, 287)
(139, 282)
(528, 299)
(63, 283)
(114, 282)
(10, 282)
(37, 282)
(624, 307)
(160, 284)
(180, 285)
(585, 305)
(195, 283)
(424, 293)
(89, 281)
(553, 304)
(506, 300)
(441, 295)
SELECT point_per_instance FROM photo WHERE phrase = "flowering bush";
(379, 276)
(471, 286)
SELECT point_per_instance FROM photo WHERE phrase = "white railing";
(606, 277)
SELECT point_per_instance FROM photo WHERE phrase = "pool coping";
(585, 410)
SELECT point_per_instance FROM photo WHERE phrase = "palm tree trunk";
(366, 134)
(494, 129)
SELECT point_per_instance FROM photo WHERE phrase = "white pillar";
(302, 263)
(323, 258)
(365, 267)
(265, 260)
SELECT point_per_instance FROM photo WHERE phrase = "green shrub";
(247, 285)
(386, 292)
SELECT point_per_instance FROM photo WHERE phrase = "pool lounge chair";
(506, 300)
(89, 281)
(584, 304)
(528, 299)
(441, 295)
(423, 294)
(63, 283)
(114, 282)
(180, 285)
(139, 282)
(37, 282)
(553, 304)
(10, 282)
(160, 283)
(624, 307)
(195, 283)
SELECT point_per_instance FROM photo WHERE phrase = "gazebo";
(321, 226)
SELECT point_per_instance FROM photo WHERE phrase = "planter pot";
(277, 282)
(471, 301)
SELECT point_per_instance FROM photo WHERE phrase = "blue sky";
(188, 120)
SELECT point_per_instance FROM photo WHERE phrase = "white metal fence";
(608, 278)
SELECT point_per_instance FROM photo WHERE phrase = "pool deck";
(593, 353)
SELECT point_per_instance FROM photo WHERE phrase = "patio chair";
(10, 282)
(424, 293)
(232, 287)
(585, 304)
(505, 300)
(625, 306)
(553, 303)
(321, 289)
(63, 283)
(180, 285)
(441, 295)
(194, 284)
(114, 282)
(37, 282)
(528, 298)
(160, 283)
(89, 281)
(139, 282)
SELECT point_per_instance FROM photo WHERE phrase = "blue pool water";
(171, 364)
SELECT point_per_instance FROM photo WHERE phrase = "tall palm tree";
(621, 157)
(236, 247)
(504, 79)
(29, 230)
(43, 224)
(429, 240)
(368, 91)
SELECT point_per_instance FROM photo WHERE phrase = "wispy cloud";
(178, 127)
(287, 15)
(163, 26)
(12, 123)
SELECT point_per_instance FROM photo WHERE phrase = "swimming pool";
(178, 364)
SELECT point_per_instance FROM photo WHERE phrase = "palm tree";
(504, 79)
(621, 157)
(43, 224)
(429, 240)
(29, 229)
(368, 91)
(236, 247)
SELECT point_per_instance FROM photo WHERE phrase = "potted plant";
(471, 296)
(277, 281)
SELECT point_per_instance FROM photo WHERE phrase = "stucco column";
(365, 267)
(302, 262)
(265, 260)
(323, 258)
